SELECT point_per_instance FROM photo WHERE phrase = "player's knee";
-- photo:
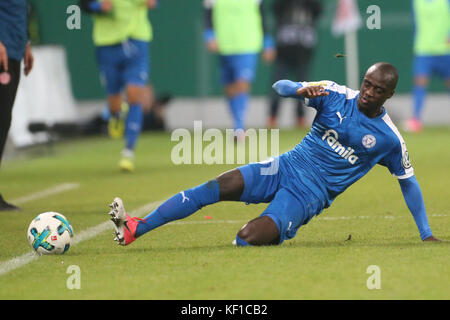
(242, 86)
(245, 234)
(261, 231)
(236, 88)
(115, 102)
(421, 81)
(135, 94)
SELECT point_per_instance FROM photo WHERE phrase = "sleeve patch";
(406, 162)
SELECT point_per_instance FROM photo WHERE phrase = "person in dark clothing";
(14, 47)
(296, 38)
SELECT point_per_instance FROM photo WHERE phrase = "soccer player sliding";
(351, 133)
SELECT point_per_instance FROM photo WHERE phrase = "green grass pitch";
(194, 259)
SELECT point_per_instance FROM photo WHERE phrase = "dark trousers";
(284, 69)
(7, 97)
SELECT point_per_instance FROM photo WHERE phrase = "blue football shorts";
(123, 64)
(291, 203)
(427, 65)
(237, 67)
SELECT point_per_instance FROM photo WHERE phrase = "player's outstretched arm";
(414, 200)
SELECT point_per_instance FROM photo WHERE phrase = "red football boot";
(124, 224)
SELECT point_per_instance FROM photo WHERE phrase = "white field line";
(46, 192)
(91, 232)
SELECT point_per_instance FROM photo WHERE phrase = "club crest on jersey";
(369, 141)
(406, 162)
(331, 137)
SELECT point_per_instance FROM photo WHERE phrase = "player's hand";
(312, 92)
(269, 55)
(3, 57)
(151, 4)
(28, 59)
(212, 46)
(431, 238)
(106, 5)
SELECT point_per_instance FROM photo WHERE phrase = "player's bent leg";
(422, 68)
(136, 75)
(280, 221)
(227, 187)
(414, 124)
(261, 231)
(241, 184)
(238, 97)
(177, 207)
(133, 125)
(135, 94)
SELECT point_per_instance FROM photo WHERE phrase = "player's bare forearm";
(312, 92)
(287, 88)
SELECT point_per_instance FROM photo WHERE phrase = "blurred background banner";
(179, 55)
(182, 67)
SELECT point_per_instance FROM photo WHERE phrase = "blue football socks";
(180, 206)
(133, 125)
(419, 93)
(238, 105)
(241, 243)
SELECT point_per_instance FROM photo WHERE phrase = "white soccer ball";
(50, 233)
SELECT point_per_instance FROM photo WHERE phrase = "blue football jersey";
(344, 144)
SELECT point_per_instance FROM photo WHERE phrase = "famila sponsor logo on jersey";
(331, 137)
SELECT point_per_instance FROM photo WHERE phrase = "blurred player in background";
(296, 38)
(351, 133)
(14, 47)
(431, 52)
(122, 33)
(235, 30)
